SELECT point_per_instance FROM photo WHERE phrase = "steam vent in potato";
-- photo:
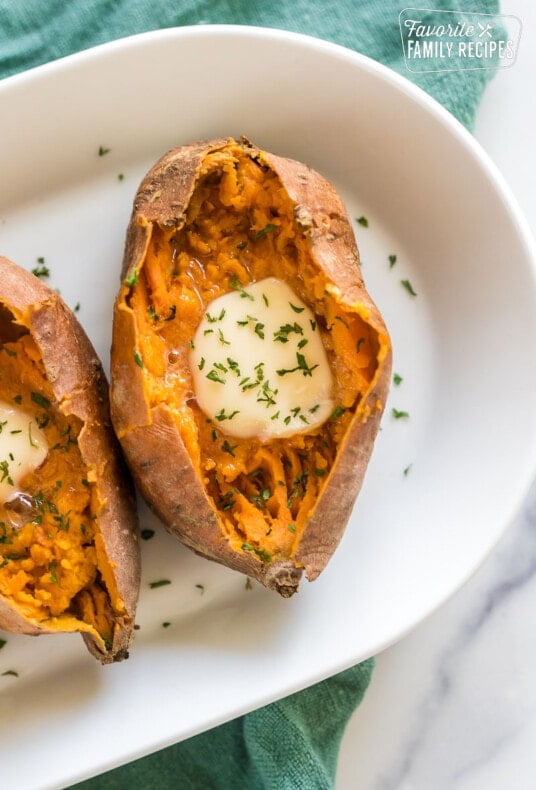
(69, 550)
(249, 365)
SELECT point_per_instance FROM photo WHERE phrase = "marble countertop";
(453, 705)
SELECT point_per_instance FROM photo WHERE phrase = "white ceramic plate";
(465, 347)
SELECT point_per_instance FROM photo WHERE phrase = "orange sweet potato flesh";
(69, 548)
(208, 218)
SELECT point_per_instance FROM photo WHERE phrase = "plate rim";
(430, 104)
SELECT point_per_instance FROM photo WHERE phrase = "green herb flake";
(229, 448)
(302, 365)
(40, 400)
(166, 624)
(296, 308)
(213, 375)
(392, 261)
(233, 365)
(408, 286)
(236, 285)
(336, 413)
(261, 553)
(137, 359)
(3, 642)
(282, 334)
(363, 221)
(406, 470)
(201, 588)
(132, 278)
(292, 527)
(248, 585)
(399, 415)
(4, 470)
(159, 583)
(53, 575)
(103, 150)
(11, 672)
(222, 415)
(222, 339)
(265, 231)
(41, 270)
(17, 399)
(397, 379)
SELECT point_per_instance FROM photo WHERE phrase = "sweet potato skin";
(81, 390)
(150, 438)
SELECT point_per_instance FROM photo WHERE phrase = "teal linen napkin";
(293, 743)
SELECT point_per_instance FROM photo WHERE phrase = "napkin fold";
(292, 743)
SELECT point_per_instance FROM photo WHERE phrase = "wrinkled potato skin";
(153, 448)
(81, 390)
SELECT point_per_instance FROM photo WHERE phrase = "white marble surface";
(453, 705)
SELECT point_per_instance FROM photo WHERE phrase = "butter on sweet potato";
(210, 218)
(69, 549)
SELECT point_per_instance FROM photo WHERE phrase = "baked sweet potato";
(69, 546)
(217, 227)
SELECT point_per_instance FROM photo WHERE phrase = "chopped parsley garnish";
(336, 413)
(261, 553)
(223, 416)
(235, 283)
(392, 261)
(399, 415)
(264, 231)
(41, 270)
(137, 359)
(159, 583)
(363, 221)
(302, 365)
(4, 470)
(408, 286)
(397, 379)
(282, 334)
(213, 375)
(229, 448)
(40, 400)
(132, 278)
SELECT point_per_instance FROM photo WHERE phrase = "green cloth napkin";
(293, 743)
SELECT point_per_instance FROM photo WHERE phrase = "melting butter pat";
(23, 447)
(258, 363)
